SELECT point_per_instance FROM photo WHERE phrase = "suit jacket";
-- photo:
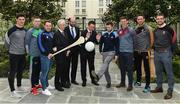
(71, 39)
(60, 41)
(92, 38)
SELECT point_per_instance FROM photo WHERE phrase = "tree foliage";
(46, 9)
(149, 8)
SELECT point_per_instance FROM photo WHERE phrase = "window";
(100, 2)
(83, 3)
(77, 11)
(63, 12)
(100, 10)
(108, 2)
(63, 4)
(76, 3)
(83, 11)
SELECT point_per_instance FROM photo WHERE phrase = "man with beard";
(143, 41)
(73, 34)
(164, 39)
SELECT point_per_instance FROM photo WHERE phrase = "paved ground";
(91, 93)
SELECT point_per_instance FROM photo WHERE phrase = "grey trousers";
(164, 60)
(107, 58)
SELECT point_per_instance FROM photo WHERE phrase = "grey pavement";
(90, 93)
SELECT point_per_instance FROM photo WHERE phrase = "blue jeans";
(164, 60)
(126, 65)
(45, 67)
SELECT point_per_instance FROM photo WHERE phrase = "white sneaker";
(15, 94)
(20, 89)
(46, 92)
(50, 87)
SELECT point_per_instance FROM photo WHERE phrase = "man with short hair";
(109, 48)
(164, 39)
(90, 35)
(34, 54)
(126, 49)
(45, 44)
(143, 42)
(14, 41)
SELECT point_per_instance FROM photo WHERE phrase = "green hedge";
(4, 65)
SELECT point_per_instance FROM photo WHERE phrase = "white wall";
(92, 8)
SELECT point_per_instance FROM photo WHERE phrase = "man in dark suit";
(90, 35)
(61, 41)
(73, 34)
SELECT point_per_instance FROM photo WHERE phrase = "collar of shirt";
(109, 32)
(89, 30)
(123, 31)
(70, 27)
(20, 28)
(60, 30)
(48, 33)
(163, 25)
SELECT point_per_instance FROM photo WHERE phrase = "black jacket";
(71, 39)
(60, 41)
(92, 39)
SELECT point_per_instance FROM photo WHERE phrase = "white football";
(89, 46)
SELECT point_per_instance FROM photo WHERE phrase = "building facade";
(85, 8)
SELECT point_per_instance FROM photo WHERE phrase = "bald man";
(73, 33)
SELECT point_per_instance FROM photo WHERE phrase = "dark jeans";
(62, 71)
(126, 65)
(74, 64)
(163, 60)
(139, 56)
(84, 59)
(36, 69)
(17, 65)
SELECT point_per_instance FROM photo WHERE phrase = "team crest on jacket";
(164, 32)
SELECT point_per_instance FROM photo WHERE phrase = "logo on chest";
(164, 32)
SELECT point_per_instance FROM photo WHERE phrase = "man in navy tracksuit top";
(108, 47)
(14, 41)
(45, 44)
(126, 49)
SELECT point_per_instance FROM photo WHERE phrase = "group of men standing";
(129, 45)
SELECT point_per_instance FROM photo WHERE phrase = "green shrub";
(4, 68)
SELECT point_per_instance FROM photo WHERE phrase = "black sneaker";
(108, 85)
(84, 84)
(95, 83)
(137, 84)
(67, 85)
(59, 89)
(75, 83)
(96, 77)
(121, 85)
